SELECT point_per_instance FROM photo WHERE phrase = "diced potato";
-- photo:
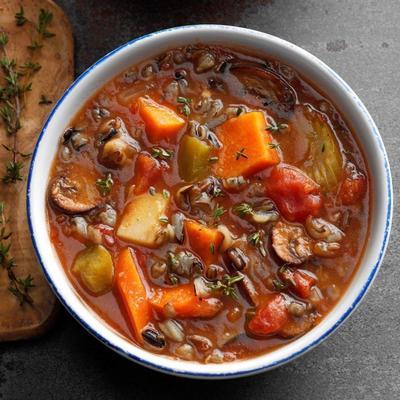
(193, 159)
(140, 223)
(95, 268)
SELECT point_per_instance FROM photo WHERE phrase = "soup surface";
(209, 205)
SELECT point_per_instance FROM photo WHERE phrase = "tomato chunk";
(296, 195)
(147, 171)
(354, 186)
(270, 316)
(301, 282)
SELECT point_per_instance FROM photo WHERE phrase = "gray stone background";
(360, 40)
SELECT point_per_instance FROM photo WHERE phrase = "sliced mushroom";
(266, 86)
(184, 263)
(325, 249)
(99, 113)
(291, 243)
(297, 326)
(117, 146)
(320, 229)
(73, 196)
(236, 258)
(264, 213)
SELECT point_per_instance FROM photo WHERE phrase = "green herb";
(287, 275)
(212, 160)
(44, 100)
(34, 45)
(323, 148)
(218, 212)
(254, 238)
(20, 17)
(11, 150)
(31, 66)
(104, 185)
(277, 127)
(3, 39)
(19, 287)
(164, 154)
(241, 154)
(212, 248)
(243, 209)
(274, 145)
(186, 105)
(278, 284)
(165, 194)
(44, 20)
(225, 286)
(13, 171)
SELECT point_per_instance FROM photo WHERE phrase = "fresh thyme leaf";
(19, 287)
(277, 127)
(212, 248)
(44, 100)
(218, 212)
(243, 209)
(241, 154)
(18, 153)
(33, 67)
(278, 284)
(20, 17)
(34, 45)
(225, 285)
(274, 145)
(254, 238)
(45, 18)
(13, 171)
(160, 152)
(3, 39)
(104, 185)
(323, 148)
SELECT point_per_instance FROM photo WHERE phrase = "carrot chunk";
(270, 317)
(185, 303)
(133, 294)
(161, 122)
(203, 240)
(246, 146)
(147, 170)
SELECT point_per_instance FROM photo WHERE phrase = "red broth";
(209, 205)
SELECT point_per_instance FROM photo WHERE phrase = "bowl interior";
(140, 49)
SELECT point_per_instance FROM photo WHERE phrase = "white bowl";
(141, 49)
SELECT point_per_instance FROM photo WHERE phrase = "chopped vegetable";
(203, 240)
(132, 291)
(140, 223)
(271, 316)
(324, 163)
(161, 122)
(247, 137)
(147, 171)
(295, 194)
(193, 159)
(95, 268)
(354, 185)
(298, 280)
(184, 302)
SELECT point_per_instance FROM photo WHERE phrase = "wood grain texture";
(56, 58)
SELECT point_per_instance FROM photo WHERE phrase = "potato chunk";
(140, 223)
(95, 268)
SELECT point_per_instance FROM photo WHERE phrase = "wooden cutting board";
(57, 71)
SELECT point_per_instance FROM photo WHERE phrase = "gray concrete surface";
(360, 40)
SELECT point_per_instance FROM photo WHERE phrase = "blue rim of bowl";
(343, 317)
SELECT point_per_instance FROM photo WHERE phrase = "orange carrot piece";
(203, 240)
(130, 287)
(246, 146)
(161, 122)
(185, 302)
(147, 170)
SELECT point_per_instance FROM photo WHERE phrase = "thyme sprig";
(19, 287)
(226, 285)
(104, 185)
